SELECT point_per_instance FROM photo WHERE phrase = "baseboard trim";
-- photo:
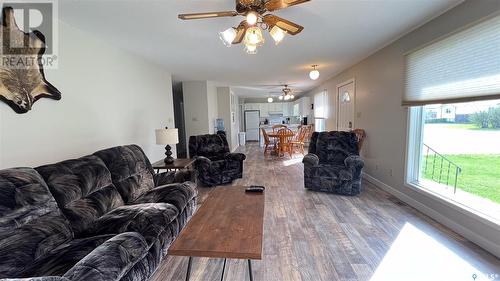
(474, 237)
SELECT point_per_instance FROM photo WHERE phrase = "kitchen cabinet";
(264, 109)
(276, 107)
(252, 106)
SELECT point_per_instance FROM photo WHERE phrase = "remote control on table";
(255, 188)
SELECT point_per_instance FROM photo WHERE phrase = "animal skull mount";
(21, 83)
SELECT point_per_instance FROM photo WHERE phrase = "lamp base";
(169, 159)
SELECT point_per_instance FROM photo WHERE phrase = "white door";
(345, 101)
(252, 125)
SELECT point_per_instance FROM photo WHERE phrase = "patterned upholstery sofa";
(105, 216)
(214, 163)
(333, 163)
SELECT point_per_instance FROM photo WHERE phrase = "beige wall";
(109, 98)
(195, 108)
(379, 88)
(213, 112)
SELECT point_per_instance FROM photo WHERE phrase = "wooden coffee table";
(179, 164)
(229, 225)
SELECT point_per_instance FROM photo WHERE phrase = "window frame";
(415, 125)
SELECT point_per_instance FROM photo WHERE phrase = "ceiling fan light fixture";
(270, 100)
(251, 49)
(314, 74)
(252, 18)
(277, 34)
(254, 36)
(292, 97)
(280, 97)
(227, 36)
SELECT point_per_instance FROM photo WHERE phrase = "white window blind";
(321, 105)
(464, 66)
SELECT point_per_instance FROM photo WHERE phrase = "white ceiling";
(337, 34)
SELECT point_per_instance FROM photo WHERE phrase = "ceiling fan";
(286, 93)
(257, 18)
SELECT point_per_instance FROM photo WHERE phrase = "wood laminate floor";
(313, 236)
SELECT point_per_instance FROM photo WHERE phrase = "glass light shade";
(278, 34)
(292, 97)
(167, 136)
(287, 97)
(281, 98)
(254, 36)
(314, 74)
(252, 18)
(227, 36)
(251, 49)
(270, 100)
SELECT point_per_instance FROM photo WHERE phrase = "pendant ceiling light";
(314, 74)
(269, 99)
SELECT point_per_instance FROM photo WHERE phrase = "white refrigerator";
(252, 125)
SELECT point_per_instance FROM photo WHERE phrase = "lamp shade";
(167, 136)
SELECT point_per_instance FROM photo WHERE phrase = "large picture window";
(453, 91)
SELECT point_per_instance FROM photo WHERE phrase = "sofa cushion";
(31, 224)
(150, 220)
(63, 258)
(131, 171)
(83, 189)
(334, 147)
(177, 194)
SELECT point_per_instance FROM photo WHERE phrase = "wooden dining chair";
(361, 134)
(285, 136)
(278, 127)
(297, 143)
(268, 145)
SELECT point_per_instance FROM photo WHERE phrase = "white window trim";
(412, 163)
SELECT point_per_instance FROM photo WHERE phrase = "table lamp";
(166, 137)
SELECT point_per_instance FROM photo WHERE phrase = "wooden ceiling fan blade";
(208, 15)
(273, 5)
(288, 26)
(240, 33)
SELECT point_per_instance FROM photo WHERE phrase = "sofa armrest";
(235, 156)
(111, 260)
(310, 160)
(44, 278)
(354, 161)
(164, 178)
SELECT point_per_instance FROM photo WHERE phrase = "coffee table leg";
(250, 269)
(188, 273)
(223, 269)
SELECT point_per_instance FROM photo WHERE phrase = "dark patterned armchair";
(214, 164)
(333, 163)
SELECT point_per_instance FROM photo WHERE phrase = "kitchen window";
(453, 95)
(320, 111)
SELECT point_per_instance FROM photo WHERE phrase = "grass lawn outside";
(480, 173)
(466, 127)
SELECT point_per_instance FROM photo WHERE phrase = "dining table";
(281, 139)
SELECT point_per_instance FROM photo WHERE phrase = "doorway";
(346, 99)
(180, 124)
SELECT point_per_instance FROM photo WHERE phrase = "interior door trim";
(337, 107)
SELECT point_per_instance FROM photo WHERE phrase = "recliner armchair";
(214, 163)
(333, 163)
